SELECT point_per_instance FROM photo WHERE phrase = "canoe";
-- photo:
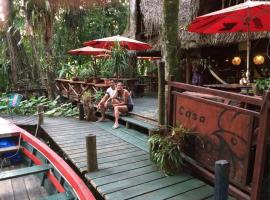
(38, 159)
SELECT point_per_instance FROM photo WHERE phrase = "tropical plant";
(107, 68)
(86, 73)
(98, 95)
(166, 148)
(261, 85)
(42, 31)
(119, 57)
(65, 71)
(4, 81)
(29, 107)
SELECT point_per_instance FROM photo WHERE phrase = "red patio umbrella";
(89, 51)
(251, 16)
(109, 42)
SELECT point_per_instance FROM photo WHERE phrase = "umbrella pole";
(248, 54)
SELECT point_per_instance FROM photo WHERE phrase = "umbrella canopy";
(251, 16)
(89, 51)
(109, 42)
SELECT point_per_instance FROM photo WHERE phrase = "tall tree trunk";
(170, 38)
(49, 69)
(18, 58)
(35, 61)
(33, 41)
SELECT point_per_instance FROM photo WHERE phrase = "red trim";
(55, 182)
(31, 156)
(50, 175)
(80, 188)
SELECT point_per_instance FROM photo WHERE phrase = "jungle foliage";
(29, 107)
(41, 32)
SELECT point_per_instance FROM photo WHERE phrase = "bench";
(59, 196)
(24, 171)
(9, 149)
(130, 120)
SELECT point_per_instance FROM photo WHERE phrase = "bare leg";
(103, 108)
(117, 111)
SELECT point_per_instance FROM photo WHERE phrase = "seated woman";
(122, 102)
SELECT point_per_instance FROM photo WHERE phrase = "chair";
(12, 101)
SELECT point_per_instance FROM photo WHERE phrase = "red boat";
(37, 158)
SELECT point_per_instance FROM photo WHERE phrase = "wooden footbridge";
(125, 171)
(227, 126)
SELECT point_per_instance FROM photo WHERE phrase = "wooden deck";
(125, 171)
(146, 107)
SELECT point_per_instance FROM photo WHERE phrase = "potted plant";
(261, 85)
(88, 106)
(166, 148)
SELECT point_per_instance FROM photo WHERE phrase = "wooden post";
(261, 144)
(40, 110)
(128, 125)
(169, 103)
(221, 180)
(91, 150)
(161, 93)
(81, 111)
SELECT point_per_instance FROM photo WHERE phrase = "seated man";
(104, 103)
(122, 103)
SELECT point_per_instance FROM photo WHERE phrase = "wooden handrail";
(228, 95)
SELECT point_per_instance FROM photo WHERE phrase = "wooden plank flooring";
(146, 106)
(125, 171)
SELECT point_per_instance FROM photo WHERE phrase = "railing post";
(221, 180)
(40, 110)
(81, 111)
(91, 150)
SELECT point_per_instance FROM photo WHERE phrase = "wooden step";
(24, 171)
(9, 149)
(131, 120)
(59, 196)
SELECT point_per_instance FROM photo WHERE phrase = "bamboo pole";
(40, 110)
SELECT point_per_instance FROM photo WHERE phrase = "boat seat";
(9, 149)
(24, 171)
(59, 196)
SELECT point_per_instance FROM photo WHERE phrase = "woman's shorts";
(129, 107)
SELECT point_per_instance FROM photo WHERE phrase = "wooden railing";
(226, 126)
(74, 90)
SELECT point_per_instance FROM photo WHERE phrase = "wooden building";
(225, 53)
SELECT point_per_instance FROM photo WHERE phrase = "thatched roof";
(152, 19)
